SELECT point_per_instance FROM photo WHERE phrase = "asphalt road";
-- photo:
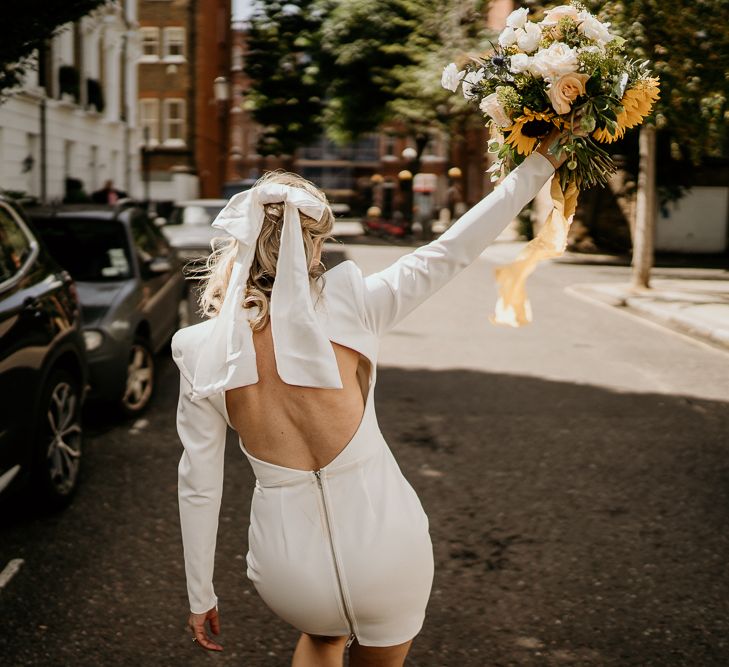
(575, 472)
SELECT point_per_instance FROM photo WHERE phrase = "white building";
(87, 83)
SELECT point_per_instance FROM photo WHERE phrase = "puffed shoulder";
(186, 345)
(344, 289)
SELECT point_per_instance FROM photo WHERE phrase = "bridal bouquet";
(566, 71)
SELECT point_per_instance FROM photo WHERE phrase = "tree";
(688, 45)
(32, 22)
(365, 45)
(388, 68)
(286, 91)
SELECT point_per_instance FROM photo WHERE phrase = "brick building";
(185, 46)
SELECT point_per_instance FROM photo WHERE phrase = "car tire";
(140, 380)
(58, 440)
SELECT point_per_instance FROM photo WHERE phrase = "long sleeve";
(392, 293)
(202, 430)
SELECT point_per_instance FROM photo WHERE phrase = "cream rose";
(528, 37)
(553, 16)
(520, 62)
(565, 90)
(555, 61)
(451, 77)
(490, 106)
(592, 28)
(507, 37)
(517, 18)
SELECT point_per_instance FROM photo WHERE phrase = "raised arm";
(394, 292)
(202, 430)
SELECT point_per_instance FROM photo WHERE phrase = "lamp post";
(410, 156)
(145, 164)
(221, 91)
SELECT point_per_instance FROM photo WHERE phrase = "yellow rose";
(565, 90)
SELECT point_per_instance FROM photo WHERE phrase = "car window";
(15, 246)
(194, 215)
(91, 250)
(148, 240)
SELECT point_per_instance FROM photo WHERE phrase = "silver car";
(188, 228)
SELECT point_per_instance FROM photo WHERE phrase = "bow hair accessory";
(304, 355)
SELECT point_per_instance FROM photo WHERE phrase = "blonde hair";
(215, 275)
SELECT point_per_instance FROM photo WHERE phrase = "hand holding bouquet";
(568, 72)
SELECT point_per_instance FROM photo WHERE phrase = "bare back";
(293, 426)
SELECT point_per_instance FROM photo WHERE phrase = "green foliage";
(283, 65)
(29, 24)
(448, 29)
(688, 45)
(367, 45)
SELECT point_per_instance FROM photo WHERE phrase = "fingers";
(196, 624)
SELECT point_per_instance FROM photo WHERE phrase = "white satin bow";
(304, 355)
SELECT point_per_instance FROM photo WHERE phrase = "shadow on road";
(571, 524)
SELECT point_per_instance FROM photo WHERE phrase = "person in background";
(108, 194)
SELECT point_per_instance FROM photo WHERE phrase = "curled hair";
(215, 275)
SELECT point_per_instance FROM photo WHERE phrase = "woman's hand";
(196, 623)
(554, 138)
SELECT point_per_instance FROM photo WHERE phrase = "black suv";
(42, 365)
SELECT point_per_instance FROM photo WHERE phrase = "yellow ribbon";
(512, 307)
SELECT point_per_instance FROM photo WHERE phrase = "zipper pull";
(317, 474)
(350, 640)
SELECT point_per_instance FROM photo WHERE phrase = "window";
(16, 248)
(174, 122)
(90, 249)
(150, 44)
(149, 121)
(174, 46)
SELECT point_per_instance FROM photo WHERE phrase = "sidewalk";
(697, 307)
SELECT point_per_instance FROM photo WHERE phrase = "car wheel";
(140, 379)
(58, 442)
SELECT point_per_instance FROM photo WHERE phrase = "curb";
(619, 297)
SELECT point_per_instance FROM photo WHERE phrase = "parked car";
(189, 229)
(131, 289)
(42, 366)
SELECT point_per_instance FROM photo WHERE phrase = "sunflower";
(637, 104)
(526, 130)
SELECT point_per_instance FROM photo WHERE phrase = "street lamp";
(410, 155)
(221, 91)
(145, 163)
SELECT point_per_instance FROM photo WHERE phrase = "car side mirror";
(159, 221)
(159, 265)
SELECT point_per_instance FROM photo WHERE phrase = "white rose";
(592, 28)
(528, 38)
(490, 106)
(517, 18)
(553, 16)
(556, 60)
(507, 37)
(451, 77)
(470, 80)
(520, 62)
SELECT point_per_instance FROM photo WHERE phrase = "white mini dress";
(343, 550)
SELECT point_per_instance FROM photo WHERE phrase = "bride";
(338, 544)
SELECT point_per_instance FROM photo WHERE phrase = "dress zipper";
(317, 474)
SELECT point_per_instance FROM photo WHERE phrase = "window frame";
(32, 242)
(166, 140)
(150, 57)
(154, 138)
(174, 57)
(182, 121)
